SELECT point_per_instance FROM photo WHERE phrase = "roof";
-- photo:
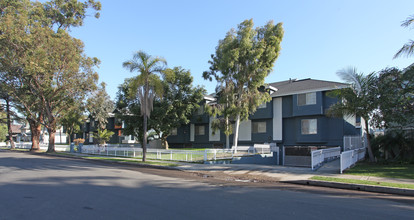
(294, 86)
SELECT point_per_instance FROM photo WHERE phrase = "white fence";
(322, 155)
(174, 155)
(28, 145)
(135, 150)
(350, 157)
(353, 142)
(256, 149)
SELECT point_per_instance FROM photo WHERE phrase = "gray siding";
(330, 131)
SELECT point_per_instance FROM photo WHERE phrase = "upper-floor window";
(307, 99)
(309, 126)
(259, 127)
(174, 131)
(199, 130)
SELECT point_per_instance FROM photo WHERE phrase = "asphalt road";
(44, 187)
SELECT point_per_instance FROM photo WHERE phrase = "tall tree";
(221, 111)
(359, 99)
(6, 119)
(128, 110)
(16, 45)
(3, 126)
(72, 120)
(99, 106)
(408, 48)
(395, 92)
(178, 103)
(41, 58)
(243, 59)
(146, 86)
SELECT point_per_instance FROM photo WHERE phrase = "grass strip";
(119, 160)
(401, 171)
(133, 161)
(363, 182)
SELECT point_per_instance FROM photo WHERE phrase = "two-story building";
(115, 125)
(296, 116)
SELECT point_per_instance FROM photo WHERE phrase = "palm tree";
(358, 99)
(408, 48)
(146, 85)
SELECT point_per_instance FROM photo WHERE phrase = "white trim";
(351, 119)
(274, 95)
(209, 98)
(245, 131)
(277, 119)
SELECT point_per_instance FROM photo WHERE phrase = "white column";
(192, 130)
(277, 119)
(245, 131)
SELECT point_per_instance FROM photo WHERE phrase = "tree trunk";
(52, 132)
(227, 136)
(227, 141)
(370, 154)
(144, 143)
(9, 127)
(69, 138)
(236, 132)
(166, 143)
(35, 128)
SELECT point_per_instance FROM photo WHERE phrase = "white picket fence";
(353, 142)
(134, 150)
(28, 145)
(174, 155)
(320, 156)
(350, 157)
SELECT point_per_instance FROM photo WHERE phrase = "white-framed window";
(263, 105)
(259, 127)
(309, 126)
(307, 99)
(199, 130)
(174, 131)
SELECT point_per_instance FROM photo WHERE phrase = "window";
(263, 105)
(259, 127)
(199, 130)
(309, 126)
(307, 99)
(174, 131)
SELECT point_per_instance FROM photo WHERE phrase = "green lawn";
(194, 149)
(364, 182)
(118, 159)
(133, 161)
(382, 170)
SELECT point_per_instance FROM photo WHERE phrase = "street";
(34, 186)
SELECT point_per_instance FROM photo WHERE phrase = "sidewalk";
(295, 175)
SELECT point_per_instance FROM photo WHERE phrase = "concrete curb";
(358, 187)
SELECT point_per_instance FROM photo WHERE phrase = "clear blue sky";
(321, 37)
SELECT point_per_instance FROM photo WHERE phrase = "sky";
(321, 36)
